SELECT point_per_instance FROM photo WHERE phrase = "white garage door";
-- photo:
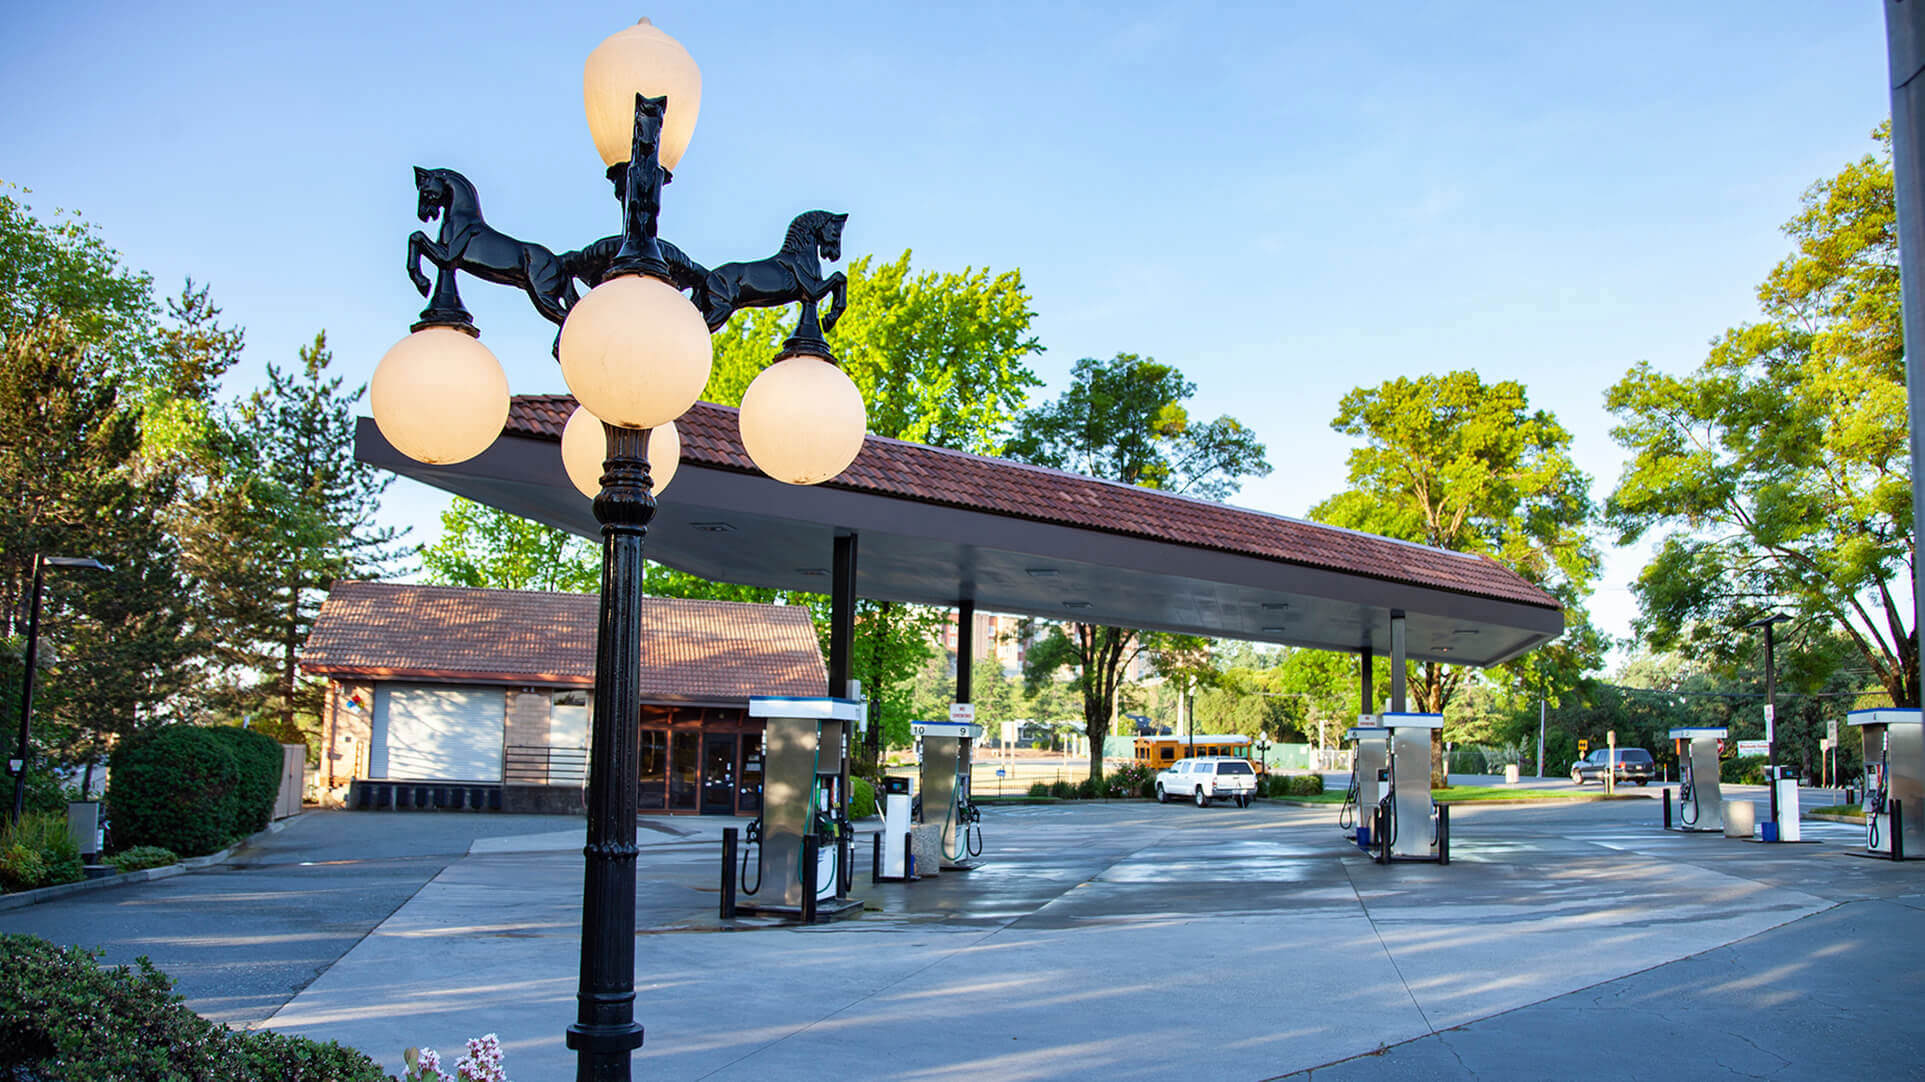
(437, 732)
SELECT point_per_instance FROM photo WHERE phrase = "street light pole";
(40, 565)
(1771, 707)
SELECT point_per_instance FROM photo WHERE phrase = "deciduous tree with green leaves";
(1456, 463)
(1124, 419)
(1778, 473)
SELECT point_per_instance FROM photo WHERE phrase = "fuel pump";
(795, 860)
(1413, 827)
(1700, 796)
(1894, 781)
(1369, 753)
(829, 825)
(947, 747)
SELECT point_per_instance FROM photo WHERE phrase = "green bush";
(1087, 789)
(1039, 789)
(64, 1016)
(259, 758)
(862, 798)
(1290, 785)
(38, 853)
(1062, 790)
(142, 856)
(1743, 770)
(21, 868)
(177, 787)
(1131, 780)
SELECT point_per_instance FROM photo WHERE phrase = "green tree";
(1125, 420)
(84, 362)
(483, 546)
(287, 512)
(1453, 462)
(940, 358)
(1778, 473)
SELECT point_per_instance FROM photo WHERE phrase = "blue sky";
(1284, 200)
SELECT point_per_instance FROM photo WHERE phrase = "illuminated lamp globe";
(584, 449)
(803, 420)
(439, 396)
(640, 60)
(635, 352)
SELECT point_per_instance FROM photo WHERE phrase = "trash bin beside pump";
(1369, 754)
(805, 809)
(1784, 779)
(947, 747)
(1894, 780)
(1700, 797)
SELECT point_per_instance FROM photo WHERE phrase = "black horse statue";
(792, 274)
(468, 243)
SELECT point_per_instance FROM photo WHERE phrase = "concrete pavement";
(1124, 940)
(241, 938)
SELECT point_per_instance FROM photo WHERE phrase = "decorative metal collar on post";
(635, 352)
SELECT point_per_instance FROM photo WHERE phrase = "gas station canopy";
(939, 527)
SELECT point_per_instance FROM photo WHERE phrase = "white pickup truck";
(1208, 778)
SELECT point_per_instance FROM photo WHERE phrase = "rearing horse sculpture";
(792, 274)
(467, 242)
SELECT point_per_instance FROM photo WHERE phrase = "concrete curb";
(26, 898)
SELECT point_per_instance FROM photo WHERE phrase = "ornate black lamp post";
(40, 565)
(635, 352)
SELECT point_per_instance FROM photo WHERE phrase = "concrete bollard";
(1738, 818)
(1510, 774)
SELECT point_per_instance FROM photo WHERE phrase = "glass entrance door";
(718, 773)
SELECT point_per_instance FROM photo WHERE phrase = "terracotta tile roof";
(704, 651)
(913, 471)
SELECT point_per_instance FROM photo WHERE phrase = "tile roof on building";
(692, 651)
(711, 438)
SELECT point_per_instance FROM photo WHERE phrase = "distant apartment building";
(994, 636)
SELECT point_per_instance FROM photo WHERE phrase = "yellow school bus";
(1158, 752)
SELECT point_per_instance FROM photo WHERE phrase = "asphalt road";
(242, 938)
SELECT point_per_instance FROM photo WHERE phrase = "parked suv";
(1208, 778)
(1633, 764)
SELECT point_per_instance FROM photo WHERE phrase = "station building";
(449, 697)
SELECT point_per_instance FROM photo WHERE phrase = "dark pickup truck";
(1633, 764)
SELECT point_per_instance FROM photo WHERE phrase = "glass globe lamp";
(640, 60)
(584, 450)
(635, 352)
(803, 420)
(439, 396)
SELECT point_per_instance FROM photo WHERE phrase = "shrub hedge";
(142, 856)
(259, 757)
(1743, 770)
(63, 1016)
(1290, 785)
(193, 789)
